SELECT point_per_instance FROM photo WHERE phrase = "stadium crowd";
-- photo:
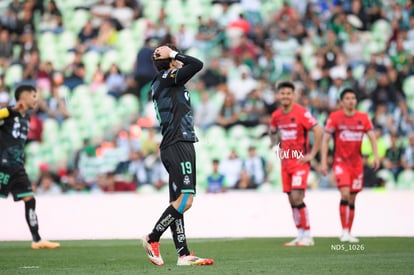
(98, 55)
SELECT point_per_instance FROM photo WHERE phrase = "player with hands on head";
(347, 127)
(293, 122)
(14, 126)
(174, 112)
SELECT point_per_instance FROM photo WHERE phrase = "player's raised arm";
(187, 66)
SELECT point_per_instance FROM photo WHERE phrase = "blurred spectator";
(259, 36)
(72, 182)
(35, 129)
(252, 10)
(108, 183)
(31, 68)
(158, 175)
(47, 182)
(106, 38)
(338, 77)
(207, 34)
(408, 155)
(131, 170)
(214, 74)
(216, 182)
(246, 50)
(285, 48)
(144, 69)
(114, 81)
(25, 22)
(51, 19)
(393, 155)
(185, 38)
(385, 93)
(56, 106)
(368, 82)
(354, 49)
(100, 11)
(286, 14)
(6, 48)
(4, 93)
(74, 79)
(242, 84)
(122, 13)
(86, 37)
(269, 67)
(252, 109)
(401, 120)
(150, 143)
(228, 115)
(206, 113)
(370, 177)
(45, 76)
(254, 171)
(231, 167)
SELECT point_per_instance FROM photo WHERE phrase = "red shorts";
(349, 176)
(296, 178)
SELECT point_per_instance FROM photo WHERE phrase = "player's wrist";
(173, 54)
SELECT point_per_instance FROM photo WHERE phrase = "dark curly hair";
(164, 64)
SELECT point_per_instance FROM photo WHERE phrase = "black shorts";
(15, 180)
(180, 161)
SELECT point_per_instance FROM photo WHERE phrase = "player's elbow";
(198, 65)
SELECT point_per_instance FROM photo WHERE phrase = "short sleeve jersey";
(293, 128)
(348, 133)
(13, 135)
(172, 102)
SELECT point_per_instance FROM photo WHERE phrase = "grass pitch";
(232, 256)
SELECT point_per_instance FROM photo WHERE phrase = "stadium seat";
(128, 105)
(13, 75)
(405, 179)
(381, 30)
(237, 132)
(79, 19)
(50, 131)
(408, 87)
(388, 177)
(214, 133)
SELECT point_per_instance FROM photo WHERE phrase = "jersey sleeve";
(368, 123)
(330, 125)
(191, 66)
(308, 121)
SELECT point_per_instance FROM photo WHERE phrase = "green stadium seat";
(128, 104)
(50, 131)
(388, 177)
(13, 75)
(408, 88)
(405, 180)
(238, 132)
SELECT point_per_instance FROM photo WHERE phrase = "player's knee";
(186, 203)
(30, 202)
(28, 198)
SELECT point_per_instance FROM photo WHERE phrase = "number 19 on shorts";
(186, 168)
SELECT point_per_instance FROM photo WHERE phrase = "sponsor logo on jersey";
(288, 134)
(348, 135)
